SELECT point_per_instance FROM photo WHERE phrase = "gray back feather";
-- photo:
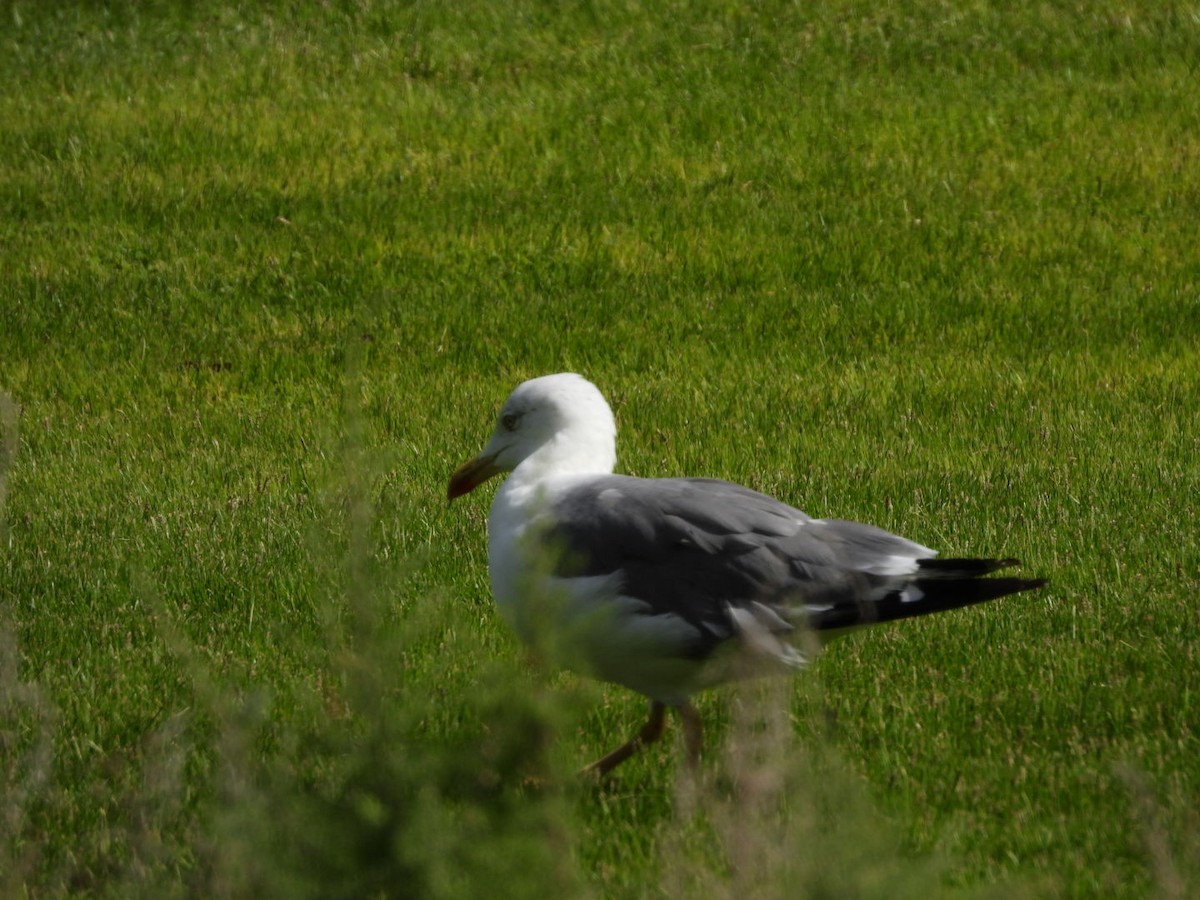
(699, 548)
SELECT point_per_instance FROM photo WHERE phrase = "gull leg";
(693, 733)
(648, 734)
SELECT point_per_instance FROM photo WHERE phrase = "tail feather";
(940, 585)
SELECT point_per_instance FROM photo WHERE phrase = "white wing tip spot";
(893, 565)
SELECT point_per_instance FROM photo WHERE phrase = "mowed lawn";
(266, 274)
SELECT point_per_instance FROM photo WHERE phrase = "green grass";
(266, 275)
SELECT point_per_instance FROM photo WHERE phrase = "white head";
(560, 423)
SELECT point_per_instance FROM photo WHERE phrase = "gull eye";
(509, 421)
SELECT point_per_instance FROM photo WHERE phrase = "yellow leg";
(648, 734)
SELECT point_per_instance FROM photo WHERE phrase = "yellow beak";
(471, 475)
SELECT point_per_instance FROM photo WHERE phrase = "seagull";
(670, 586)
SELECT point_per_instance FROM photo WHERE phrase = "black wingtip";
(939, 594)
(937, 591)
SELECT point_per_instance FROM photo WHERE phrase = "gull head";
(553, 425)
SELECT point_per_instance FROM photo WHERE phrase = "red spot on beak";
(471, 475)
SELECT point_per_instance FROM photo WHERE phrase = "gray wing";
(725, 558)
